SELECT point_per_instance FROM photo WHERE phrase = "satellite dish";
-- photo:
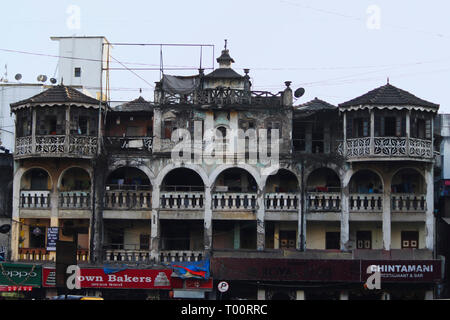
(18, 76)
(42, 78)
(53, 80)
(5, 228)
(299, 92)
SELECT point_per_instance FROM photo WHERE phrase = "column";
(155, 226)
(208, 228)
(260, 226)
(237, 235)
(300, 295)
(67, 130)
(372, 131)
(429, 219)
(157, 124)
(33, 131)
(343, 295)
(15, 221)
(261, 295)
(387, 215)
(301, 224)
(408, 130)
(429, 295)
(345, 212)
(344, 142)
(276, 236)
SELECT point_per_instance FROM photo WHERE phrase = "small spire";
(225, 44)
(387, 80)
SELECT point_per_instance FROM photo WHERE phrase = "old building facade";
(343, 188)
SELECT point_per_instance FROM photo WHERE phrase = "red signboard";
(324, 270)
(178, 283)
(125, 279)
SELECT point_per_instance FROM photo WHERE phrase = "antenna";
(299, 92)
(42, 78)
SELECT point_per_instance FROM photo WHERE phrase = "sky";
(335, 50)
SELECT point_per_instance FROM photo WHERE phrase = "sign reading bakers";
(123, 279)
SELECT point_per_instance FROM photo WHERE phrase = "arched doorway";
(323, 190)
(74, 188)
(366, 191)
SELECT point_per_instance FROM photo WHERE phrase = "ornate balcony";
(387, 148)
(128, 199)
(129, 144)
(56, 146)
(371, 202)
(35, 199)
(282, 201)
(74, 200)
(408, 202)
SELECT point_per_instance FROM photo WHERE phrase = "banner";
(124, 279)
(191, 269)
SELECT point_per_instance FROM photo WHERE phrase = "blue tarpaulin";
(191, 269)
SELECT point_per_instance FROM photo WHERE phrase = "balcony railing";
(234, 201)
(50, 145)
(41, 254)
(182, 200)
(387, 147)
(118, 144)
(323, 201)
(371, 202)
(281, 201)
(128, 199)
(36, 199)
(223, 96)
(75, 200)
(127, 255)
(408, 202)
(180, 255)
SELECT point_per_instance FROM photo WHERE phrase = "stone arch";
(328, 180)
(420, 181)
(64, 171)
(22, 174)
(283, 172)
(354, 174)
(251, 170)
(135, 168)
(133, 164)
(199, 170)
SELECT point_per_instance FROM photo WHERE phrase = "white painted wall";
(84, 48)
(10, 93)
(445, 145)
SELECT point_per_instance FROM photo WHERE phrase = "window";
(317, 139)
(287, 239)
(420, 128)
(364, 240)
(332, 240)
(361, 127)
(169, 127)
(77, 72)
(298, 134)
(410, 239)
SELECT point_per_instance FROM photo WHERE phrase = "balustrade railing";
(371, 202)
(281, 201)
(323, 201)
(129, 143)
(180, 255)
(408, 202)
(74, 200)
(234, 201)
(41, 254)
(37, 199)
(127, 199)
(182, 200)
(127, 255)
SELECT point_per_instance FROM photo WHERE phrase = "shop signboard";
(424, 271)
(20, 275)
(124, 279)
